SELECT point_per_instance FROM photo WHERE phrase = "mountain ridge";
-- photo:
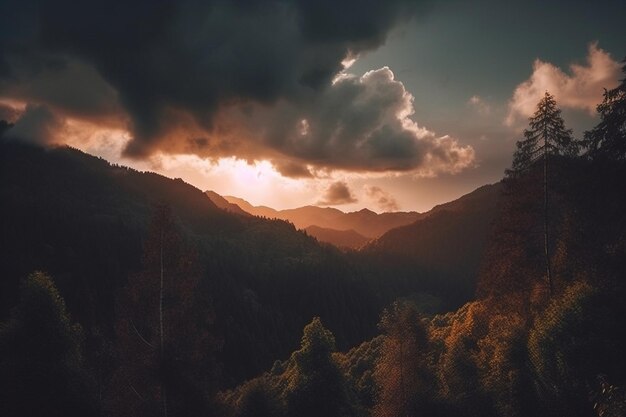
(343, 239)
(364, 221)
(447, 245)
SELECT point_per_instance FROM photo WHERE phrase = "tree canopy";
(41, 362)
(316, 385)
(545, 136)
(607, 140)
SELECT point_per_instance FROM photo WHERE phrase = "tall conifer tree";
(545, 138)
(162, 329)
(400, 372)
(316, 385)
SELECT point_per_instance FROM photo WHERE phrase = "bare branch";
(139, 334)
(136, 393)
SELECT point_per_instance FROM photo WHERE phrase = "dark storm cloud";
(72, 87)
(243, 78)
(37, 124)
(192, 55)
(337, 193)
(292, 169)
(357, 124)
(8, 113)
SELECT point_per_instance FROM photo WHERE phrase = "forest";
(125, 293)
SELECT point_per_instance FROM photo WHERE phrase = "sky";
(395, 105)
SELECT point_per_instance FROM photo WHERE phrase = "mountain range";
(328, 225)
(84, 221)
(400, 232)
(443, 246)
(365, 222)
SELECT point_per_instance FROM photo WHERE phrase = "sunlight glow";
(304, 127)
(258, 173)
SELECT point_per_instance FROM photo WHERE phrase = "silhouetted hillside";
(84, 221)
(348, 239)
(586, 224)
(446, 244)
(222, 203)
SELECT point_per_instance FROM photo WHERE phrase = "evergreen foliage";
(545, 137)
(42, 370)
(316, 386)
(575, 339)
(545, 140)
(402, 375)
(607, 140)
(165, 348)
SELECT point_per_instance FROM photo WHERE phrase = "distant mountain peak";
(224, 204)
(365, 222)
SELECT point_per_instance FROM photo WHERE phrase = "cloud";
(8, 113)
(186, 55)
(383, 199)
(359, 123)
(211, 79)
(581, 89)
(68, 85)
(336, 194)
(292, 169)
(36, 124)
(479, 104)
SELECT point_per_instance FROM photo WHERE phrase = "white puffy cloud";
(581, 88)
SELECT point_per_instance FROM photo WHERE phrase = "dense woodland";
(127, 293)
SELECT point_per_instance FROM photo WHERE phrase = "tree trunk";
(402, 386)
(162, 336)
(545, 213)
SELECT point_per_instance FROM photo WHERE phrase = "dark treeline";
(155, 302)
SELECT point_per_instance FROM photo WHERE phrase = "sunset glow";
(395, 112)
(309, 208)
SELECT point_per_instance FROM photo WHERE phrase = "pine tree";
(545, 139)
(42, 370)
(401, 372)
(316, 386)
(162, 330)
(608, 139)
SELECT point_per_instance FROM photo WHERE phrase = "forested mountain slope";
(346, 239)
(517, 349)
(446, 245)
(84, 221)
